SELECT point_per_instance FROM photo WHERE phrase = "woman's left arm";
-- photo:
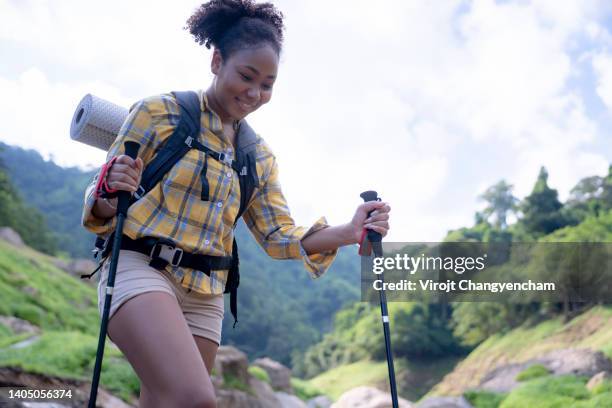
(331, 238)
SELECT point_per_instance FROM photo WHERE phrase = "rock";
(76, 267)
(13, 377)
(577, 362)
(367, 397)
(264, 393)
(319, 402)
(560, 362)
(11, 236)
(280, 376)
(289, 400)
(237, 399)
(597, 379)
(444, 402)
(19, 326)
(503, 378)
(233, 362)
(25, 343)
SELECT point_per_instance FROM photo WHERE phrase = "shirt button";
(228, 174)
(206, 242)
(220, 204)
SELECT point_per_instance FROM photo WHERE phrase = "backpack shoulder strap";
(177, 145)
(246, 162)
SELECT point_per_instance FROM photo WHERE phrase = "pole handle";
(123, 201)
(367, 196)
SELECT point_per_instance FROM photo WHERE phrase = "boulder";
(289, 401)
(232, 362)
(597, 379)
(577, 362)
(367, 397)
(11, 236)
(76, 267)
(444, 402)
(560, 362)
(19, 326)
(236, 399)
(280, 376)
(503, 378)
(12, 377)
(319, 402)
(264, 393)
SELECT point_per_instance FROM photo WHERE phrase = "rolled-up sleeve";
(138, 127)
(269, 220)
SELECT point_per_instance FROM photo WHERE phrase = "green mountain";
(56, 192)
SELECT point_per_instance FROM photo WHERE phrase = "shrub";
(531, 372)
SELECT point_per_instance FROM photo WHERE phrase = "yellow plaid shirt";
(174, 210)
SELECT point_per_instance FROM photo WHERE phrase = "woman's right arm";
(98, 214)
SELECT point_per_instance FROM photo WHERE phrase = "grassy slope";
(413, 378)
(592, 329)
(65, 309)
(340, 379)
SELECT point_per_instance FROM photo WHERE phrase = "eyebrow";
(257, 72)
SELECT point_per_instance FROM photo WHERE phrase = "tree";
(500, 202)
(542, 208)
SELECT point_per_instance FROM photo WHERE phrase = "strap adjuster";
(138, 194)
(167, 252)
(225, 158)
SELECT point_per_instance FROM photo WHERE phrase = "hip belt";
(164, 252)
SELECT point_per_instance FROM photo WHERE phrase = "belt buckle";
(168, 252)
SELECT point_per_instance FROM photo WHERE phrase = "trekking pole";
(131, 149)
(375, 240)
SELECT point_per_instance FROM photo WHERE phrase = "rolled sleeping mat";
(96, 122)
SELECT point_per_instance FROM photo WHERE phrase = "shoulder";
(157, 106)
(265, 158)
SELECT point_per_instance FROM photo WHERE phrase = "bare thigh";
(152, 333)
(208, 351)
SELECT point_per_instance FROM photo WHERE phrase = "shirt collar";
(215, 122)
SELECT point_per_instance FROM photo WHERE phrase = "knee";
(196, 398)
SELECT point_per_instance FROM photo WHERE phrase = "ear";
(216, 62)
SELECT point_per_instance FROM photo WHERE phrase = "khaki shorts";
(134, 276)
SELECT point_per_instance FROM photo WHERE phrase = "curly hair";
(231, 25)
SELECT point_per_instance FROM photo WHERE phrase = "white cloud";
(602, 63)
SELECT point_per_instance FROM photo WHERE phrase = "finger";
(378, 224)
(378, 217)
(121, 186)
(124, 159)
(127, 178)
(119, 171)
(371, 206)
(139, 164)
(381, 230)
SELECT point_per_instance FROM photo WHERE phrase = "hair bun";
(213, 19)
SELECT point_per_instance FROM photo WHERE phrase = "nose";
(253, 94)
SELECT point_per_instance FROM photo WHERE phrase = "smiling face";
(243, 82)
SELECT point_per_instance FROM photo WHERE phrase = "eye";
(245, 77)
(266, 87)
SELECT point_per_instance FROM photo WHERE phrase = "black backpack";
(183, 139)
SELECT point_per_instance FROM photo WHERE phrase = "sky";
(428, 103)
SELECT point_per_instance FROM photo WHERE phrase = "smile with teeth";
(245, 106)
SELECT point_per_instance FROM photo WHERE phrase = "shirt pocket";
(182, 186)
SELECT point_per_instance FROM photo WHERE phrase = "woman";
(168, 322)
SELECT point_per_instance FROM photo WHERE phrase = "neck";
(213, 103)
